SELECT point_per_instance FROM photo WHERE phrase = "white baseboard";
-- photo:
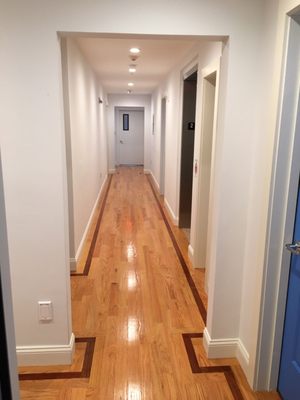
(74, 261)
(226, 348)
(243, 357)
(73, 264)
(191, 253)
(149, 172)
(46, 355)
(219, 348)
(155, 181)
(112, 171)
(172, 214)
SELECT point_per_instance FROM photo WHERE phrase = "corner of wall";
(46, 355)
(244, 359)
(226, 348)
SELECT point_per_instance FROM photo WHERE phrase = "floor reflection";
(132, 280)
(131, 252)
(134, 392)
(132, 329)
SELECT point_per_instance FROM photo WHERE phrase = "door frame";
(189, 69)
(282, 209)
(163, 122)
(193, 247)
(117, 147)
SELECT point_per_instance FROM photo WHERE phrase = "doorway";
(208, 127)
(187, 151)
(162, 146)
(130, 136)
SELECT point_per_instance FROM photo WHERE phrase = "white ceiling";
(109, 57)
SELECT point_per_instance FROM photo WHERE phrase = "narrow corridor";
(138, 310)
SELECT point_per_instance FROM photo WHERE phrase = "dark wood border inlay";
(187, 337)
(95, 235)
(84, 373)
(198, 369)
(232, 383)
(183, 264)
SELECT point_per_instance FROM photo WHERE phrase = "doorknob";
(121, 141)
(293, 248)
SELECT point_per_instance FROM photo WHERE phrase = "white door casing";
(205, 184)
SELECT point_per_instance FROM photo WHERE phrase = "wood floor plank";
(137, 303)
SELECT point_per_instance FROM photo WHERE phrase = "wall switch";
(45, 311)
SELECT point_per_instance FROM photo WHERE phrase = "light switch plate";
(45, 311)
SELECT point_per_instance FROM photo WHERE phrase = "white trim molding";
(147, 171)
(243, 356)
(155, 181)
(172, 214)
(226, 348)
(112, 171)
(46, 355)
(73, 264)
(74, 261)
(191, 253)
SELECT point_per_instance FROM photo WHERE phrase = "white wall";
(86, 145)
(32, 141)
(171, 88)
(128, 100)
(34, 174)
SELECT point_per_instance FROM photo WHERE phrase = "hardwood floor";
(138, 299)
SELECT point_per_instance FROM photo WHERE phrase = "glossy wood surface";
(137, 303)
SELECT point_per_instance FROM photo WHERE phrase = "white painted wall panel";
(88, 141)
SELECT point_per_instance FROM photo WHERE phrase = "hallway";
(139, 307)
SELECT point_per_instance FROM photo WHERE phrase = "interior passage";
(138, 311)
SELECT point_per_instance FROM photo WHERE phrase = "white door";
(130, 137)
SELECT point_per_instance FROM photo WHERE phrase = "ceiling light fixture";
(132, 68)
(130, 84)
(135, 50)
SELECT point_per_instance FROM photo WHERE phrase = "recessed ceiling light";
(132, 69)
(130, 84)
(134, 50)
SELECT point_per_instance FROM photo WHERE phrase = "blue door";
(289, 375)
